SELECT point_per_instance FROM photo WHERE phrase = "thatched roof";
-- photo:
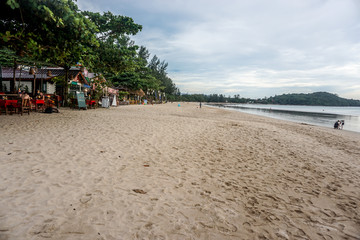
(139, 92)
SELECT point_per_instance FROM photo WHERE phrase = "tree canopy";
(48, 30)
(57, 32)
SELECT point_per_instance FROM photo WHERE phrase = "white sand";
(169, 172)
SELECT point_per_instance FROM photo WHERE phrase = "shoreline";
(172, 172)
(315, 118)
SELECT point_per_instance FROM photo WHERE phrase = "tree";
(158, 69)
(114, 58)
(149, 81)
(56, 31)
(48, 30)
(116, 55)
(113, 26)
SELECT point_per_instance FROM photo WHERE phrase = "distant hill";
(317, 98)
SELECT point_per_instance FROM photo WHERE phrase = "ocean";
(315, 115)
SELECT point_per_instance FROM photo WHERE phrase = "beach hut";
(78, 83)
(135, 96)
(29, 79)
(112, 93)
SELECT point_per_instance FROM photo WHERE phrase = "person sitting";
(24, 95)
(40, 95)
(50, 106)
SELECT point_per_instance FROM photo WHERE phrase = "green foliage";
(13, 4)
(215, 98)
(130, 80)
(57, 32)
(122, 94)
(149, 80)
(113, 58)
(317, 98)
(112, 27)
(7, 58)
(116, 52)
(116, 57)
(158, 70)
(100, 84)
(52, 31)
(47, 30)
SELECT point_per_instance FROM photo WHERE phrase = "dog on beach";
(339, 124)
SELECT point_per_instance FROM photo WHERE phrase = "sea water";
(316, 115)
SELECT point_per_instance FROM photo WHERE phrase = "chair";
(33, 105)
(25, 106)
(13, 106)
(21, 106)
(2, 105)
(40, 105)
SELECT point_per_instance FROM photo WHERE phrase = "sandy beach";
(169, 172)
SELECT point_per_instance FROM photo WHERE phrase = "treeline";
(58, 33)
(209, 98)
(317, 98)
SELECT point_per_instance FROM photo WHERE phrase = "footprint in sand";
(45, 230)
(36, 171)
(109, 215)
(85, 199)
(149, 226)
(226, 227)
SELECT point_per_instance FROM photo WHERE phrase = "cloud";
(262, 47)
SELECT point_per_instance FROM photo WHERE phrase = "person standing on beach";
(200, 104)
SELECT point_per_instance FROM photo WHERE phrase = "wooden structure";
(25, 106)
(33, 79)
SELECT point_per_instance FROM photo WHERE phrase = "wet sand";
(169, 172)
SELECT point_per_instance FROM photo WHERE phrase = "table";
(38, 103)
(8, 103)
(91, 103)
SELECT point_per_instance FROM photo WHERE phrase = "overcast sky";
(253, 48)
